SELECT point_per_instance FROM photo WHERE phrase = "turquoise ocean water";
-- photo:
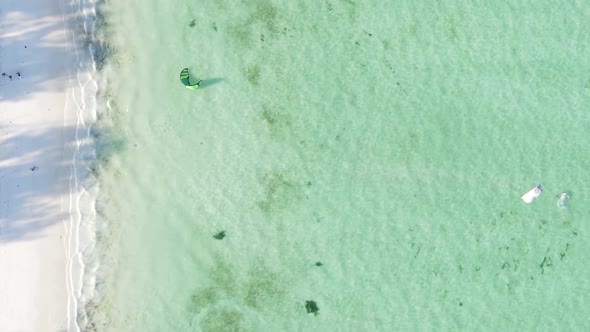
(389, 142)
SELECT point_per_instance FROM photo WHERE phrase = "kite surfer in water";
(185, 79)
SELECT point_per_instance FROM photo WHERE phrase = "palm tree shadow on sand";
(210, 81)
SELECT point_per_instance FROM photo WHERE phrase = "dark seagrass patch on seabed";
(204, 297)
(279, 192)
(312, 307)
(252, 74)
(223, 319)
(265, 18)
(267, 14)
(547, 262)
(277, 120)
(262, 289)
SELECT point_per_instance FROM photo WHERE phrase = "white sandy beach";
(37, 143)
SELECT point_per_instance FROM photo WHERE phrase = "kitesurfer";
(185, 79)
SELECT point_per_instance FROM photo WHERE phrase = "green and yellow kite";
(184, 79)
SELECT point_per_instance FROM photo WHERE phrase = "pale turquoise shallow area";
(389, 142)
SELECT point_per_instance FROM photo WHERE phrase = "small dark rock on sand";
(312, 307)
(219, 235)
(318, 264)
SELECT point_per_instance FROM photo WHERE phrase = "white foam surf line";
(81, 99)
(71, 302)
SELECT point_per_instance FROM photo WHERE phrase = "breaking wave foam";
(82, 108)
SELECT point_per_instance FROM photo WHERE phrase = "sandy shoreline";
(38, 140)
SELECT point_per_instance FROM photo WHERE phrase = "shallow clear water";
(389, 142)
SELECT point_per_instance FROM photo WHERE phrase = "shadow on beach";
(26, 42)
(38, 174)
(34, 45)
(36, 162)
(45, 48)
(34, 175)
